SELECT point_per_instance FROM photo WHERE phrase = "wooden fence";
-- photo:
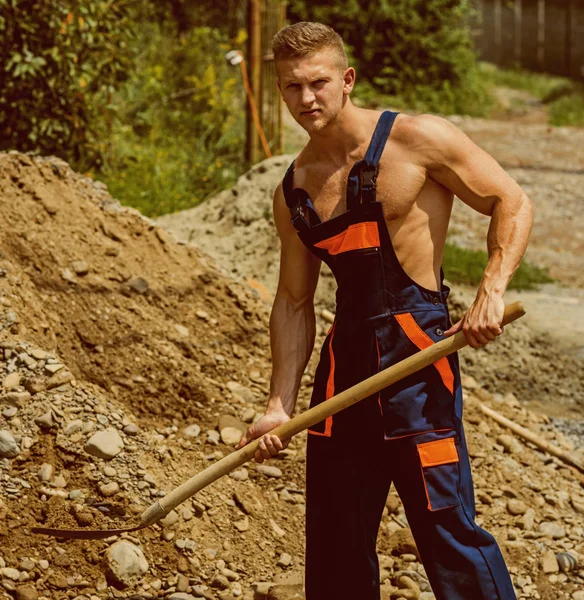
(539, 35)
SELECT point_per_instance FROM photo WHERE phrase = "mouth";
(310, 113)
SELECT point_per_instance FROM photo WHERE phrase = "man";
(371, 194)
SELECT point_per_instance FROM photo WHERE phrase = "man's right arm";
(292, 330)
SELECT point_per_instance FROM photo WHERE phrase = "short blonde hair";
(306, 39)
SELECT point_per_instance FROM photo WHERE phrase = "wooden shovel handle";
(303, 421)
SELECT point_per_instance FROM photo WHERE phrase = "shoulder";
(429, 138)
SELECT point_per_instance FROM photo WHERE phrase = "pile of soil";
(129, 362)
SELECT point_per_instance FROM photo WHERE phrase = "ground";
(108, 324)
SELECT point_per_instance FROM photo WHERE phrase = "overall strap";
(298, 202)
(363, 175)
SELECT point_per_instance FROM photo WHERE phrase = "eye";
(293, 85)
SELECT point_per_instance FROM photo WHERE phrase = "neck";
(342, 137)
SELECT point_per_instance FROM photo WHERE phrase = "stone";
(213, 437)
(137, 284)
(528, 520)
(516, 507)
(10, 412)
(552, 530)
(53, 368)
(182, 596)
(269, 471)
(287, 592)
(80, 267)
(105, 444)
(392, 503)
(231, 436)
(242, 525)
(8, 446)
(240, 474)
(192, 431)
(240, 392)
(73, 427)
(109, 489)
(26, 592)
(285, 560)
(11, 381)
(19, 399)
(45, 421)
(170, 519)
(125, 562)
(131, 429)
(10, 573)
(510, 443)
(579, 595)
(549, 563)
(402, 542)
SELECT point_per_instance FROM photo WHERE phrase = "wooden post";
(252, 152)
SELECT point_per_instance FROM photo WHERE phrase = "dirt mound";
(125, 361)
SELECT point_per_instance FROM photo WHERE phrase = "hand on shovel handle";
(287, 430)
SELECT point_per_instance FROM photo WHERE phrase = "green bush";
(467, 266)
(180, 135)
(417, 51)
(60, 63)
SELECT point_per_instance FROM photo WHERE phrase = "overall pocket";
(440, 471)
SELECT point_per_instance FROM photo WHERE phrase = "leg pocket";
(440, 471)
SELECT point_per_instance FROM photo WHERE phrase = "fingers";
(478, 335)
(454, 329)
(246, 438)
(268, 447)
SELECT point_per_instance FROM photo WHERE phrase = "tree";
(60, 61)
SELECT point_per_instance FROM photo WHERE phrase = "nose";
(308, 96)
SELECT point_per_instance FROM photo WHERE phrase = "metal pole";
(254, 62)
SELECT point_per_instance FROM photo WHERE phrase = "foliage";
(467, 266)
(60, 62)
(563, 97)
(181, 130)
(419, 51)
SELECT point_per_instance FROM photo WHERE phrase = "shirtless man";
(371, 194)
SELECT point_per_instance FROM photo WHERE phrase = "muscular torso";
(416, 208)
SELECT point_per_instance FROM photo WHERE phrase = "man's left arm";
(453, 160)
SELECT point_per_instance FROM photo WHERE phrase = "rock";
(10, 412)
(131, 429)
(192, 431)
(109, 489)
(182, 330)
(170, 519)
(549, 563)
(552, 530)
(73, 427)
(392, 503)
(269, 471)
(213, 437)
(240, 392)
(105, 444)
(510, 443)
(53, 368)
(402, 542)
(287, 592)
(125, 562)
(80, 267)
(285, 560)
(10, 573)
(182, 583)
(220, 582)
(528, 520)
(231, 436)
(11, 381)
(242, 525)
(516, 507)
(239, 474)
(19, 399)
(137, 284)
(181, 596)
(579, 595)
(26, 592)
(8, 446)
(231, 421)
(45, 421)
(46, 472)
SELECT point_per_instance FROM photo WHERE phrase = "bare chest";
(398, 187)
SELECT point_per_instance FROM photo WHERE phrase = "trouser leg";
(346, 489)
(462, 561)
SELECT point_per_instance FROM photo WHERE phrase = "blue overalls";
(410, 434)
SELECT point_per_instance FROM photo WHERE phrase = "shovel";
(307, 419)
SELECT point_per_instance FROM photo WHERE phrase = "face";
(314, 89)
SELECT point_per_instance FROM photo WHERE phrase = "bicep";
(299, 268)
(457, 163)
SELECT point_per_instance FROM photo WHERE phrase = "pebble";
(125, 561)
(242, 525)
(109, 489)
(11, 381)
(80, 267)
(285, 560)
(138, 284)
(73, 427)
(269, 471)
(579, 595)
(45, 421)
(240, 474)
(26, 593)
(187, 514)
(528, 520)
(549, 563)
(105, 444)
(52, 369)
(109, 471)
(231, 436)
(8, 446)
(516, 507)
(510, 443)
(213, 437)
(240, 392)
(552, 530)
(192, 431)
(182, 596)
(170, 519)
(10, 573)
(131, 429)
(10, 412)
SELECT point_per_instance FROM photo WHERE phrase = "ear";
(348, 81)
